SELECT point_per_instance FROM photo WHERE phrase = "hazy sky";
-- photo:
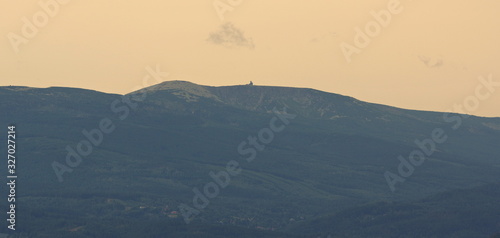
(427, 56)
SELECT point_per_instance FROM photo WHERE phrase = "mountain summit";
(307, 102)
(183, 89)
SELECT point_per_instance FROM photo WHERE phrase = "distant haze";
(428, 56)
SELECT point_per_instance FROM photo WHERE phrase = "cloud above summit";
(230, 36)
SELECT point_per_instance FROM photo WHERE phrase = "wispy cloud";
(230, 37)
(324, 36)
(431, 62)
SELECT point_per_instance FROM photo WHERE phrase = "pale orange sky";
(105, 46)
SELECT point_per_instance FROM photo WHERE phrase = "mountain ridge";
(167, 143)
(192, 91)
